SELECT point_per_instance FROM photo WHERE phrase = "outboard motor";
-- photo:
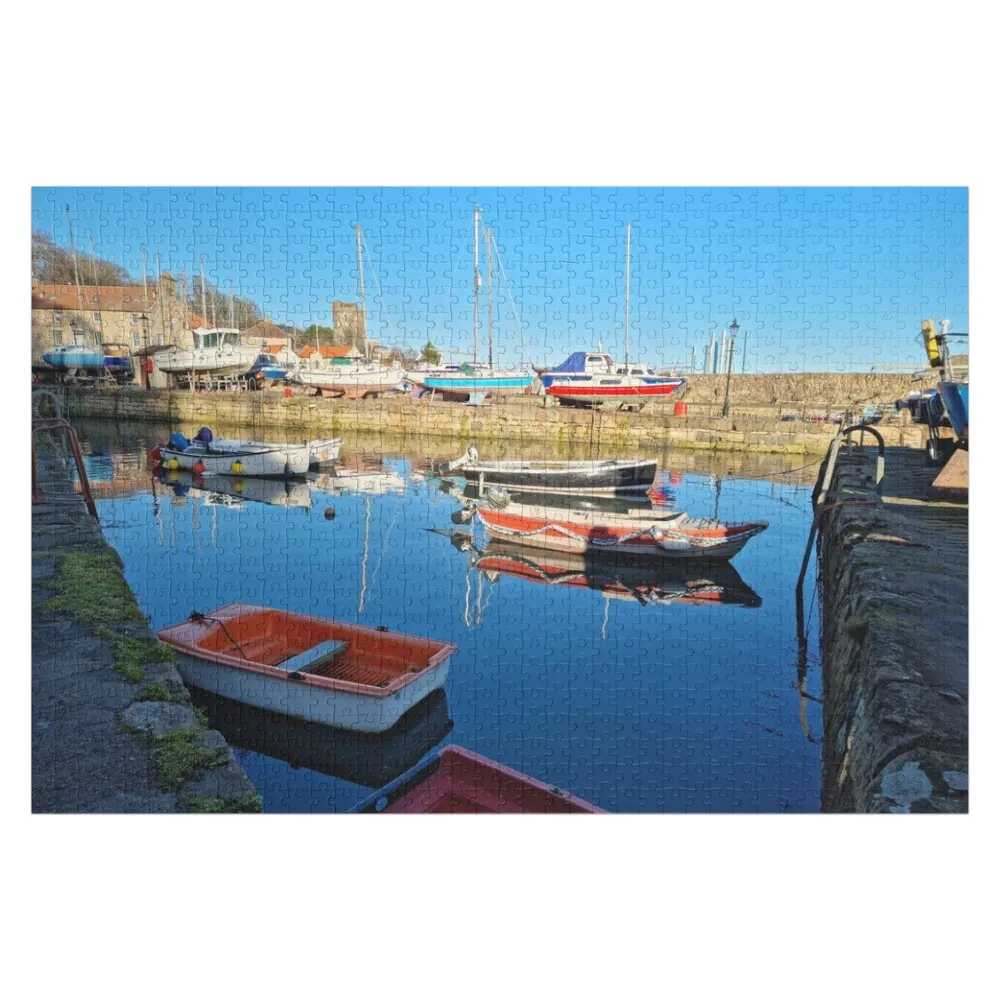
(204, 435)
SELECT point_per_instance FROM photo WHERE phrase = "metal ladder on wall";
(821, 505)
(57, 423)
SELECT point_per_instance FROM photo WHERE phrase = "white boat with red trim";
(638, 532)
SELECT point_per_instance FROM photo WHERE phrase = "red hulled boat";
(637, 532)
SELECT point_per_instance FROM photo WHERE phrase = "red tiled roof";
(92, 298)
(325, 352)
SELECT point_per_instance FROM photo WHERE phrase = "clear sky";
(817, 278)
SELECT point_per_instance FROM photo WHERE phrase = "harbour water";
(639, 691)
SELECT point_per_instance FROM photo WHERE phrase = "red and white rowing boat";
(455, 780)
(308, 667)
(638, 532)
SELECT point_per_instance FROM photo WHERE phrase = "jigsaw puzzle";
(499, 500)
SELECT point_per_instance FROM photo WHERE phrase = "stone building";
(349, 325)
(97, 315)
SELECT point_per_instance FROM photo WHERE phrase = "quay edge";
(894, 581)
(522, 419)
(106, 739)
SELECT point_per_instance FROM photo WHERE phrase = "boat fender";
(237, 467)
(198, 468)
(154, 455)
(472, 454)
(173, 464)
(497, 497)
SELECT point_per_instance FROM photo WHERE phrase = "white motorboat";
(218, 351)
(322, 451)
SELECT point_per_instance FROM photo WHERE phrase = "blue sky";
(818, 278)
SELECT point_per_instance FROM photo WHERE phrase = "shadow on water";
(370, 759)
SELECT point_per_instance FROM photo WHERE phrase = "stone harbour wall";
(524, 419)
(895, 642)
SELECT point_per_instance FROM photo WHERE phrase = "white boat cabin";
(211, 339)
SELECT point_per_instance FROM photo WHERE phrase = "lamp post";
(733, 328)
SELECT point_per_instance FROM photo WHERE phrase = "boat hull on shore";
(642, 532)
(260, 657)
(460, 386)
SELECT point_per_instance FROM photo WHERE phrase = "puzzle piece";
(584, 654)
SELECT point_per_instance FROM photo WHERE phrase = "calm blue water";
(636, 701)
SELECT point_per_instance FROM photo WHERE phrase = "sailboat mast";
(361, 287)
(628, 250)
(204, 308)
(489, 292)
(76, 264)
(476, 282)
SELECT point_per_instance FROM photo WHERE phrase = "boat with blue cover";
(71, 356)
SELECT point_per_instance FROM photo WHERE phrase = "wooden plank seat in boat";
(314, 660)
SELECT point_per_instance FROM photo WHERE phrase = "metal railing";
(56, 424)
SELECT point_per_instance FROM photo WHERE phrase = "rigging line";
(510, 291)
(378, 280)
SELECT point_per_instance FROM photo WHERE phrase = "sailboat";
(472, 378)
(593, 379)
(354, 376)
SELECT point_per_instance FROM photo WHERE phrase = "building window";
(80, 338)
(135, 319)
(57, 337)
(135, 338)
(159, 339)
(97, 317)
(57, 318)
(98, 339)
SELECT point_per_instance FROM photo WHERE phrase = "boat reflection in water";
(370, 759)
(228, 491)
(648, 580)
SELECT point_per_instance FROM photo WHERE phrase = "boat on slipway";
(476, 379)
(70, 357)
(607, 476)
(591, 379)
(312, 668)
(455, 780)
(638, 532)
(351, 380)
(218, 351)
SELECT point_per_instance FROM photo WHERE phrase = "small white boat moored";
(311, 668)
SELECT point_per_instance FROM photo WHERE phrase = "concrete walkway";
(101, 743)
(895, 656)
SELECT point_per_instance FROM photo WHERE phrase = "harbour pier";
(894, 582)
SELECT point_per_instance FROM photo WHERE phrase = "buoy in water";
(329, 513)
(198, 468)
